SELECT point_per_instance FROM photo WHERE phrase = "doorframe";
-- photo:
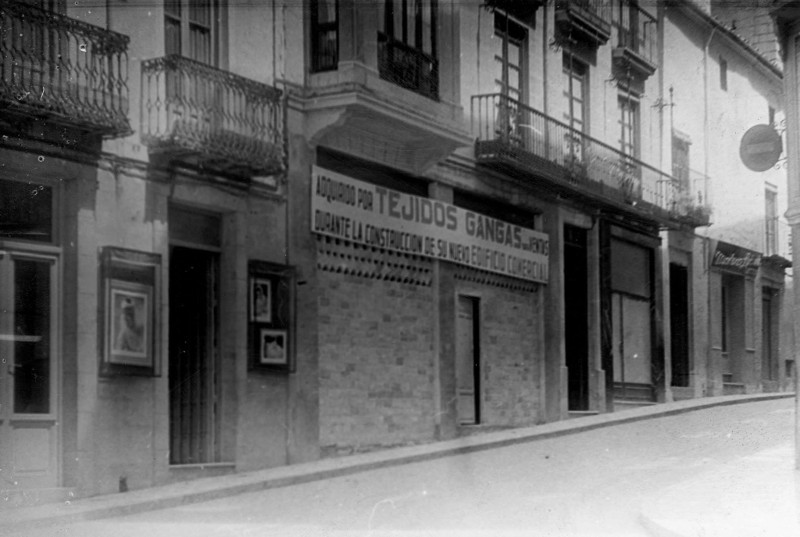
(52, 254)
(214, 360)
(477, 368)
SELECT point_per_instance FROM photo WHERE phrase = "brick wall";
(376, 329)
(512, 347)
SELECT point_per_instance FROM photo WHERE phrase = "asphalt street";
(585, 484)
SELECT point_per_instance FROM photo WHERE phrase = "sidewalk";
(138, 501)
(758, 496)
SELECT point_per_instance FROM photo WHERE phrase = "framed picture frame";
(260, 300)
(271, 317)
(129, 334)
(129, 323)
(273, 347)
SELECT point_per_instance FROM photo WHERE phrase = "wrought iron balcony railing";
(205, 116)
(63, 69)
(408, 67)
(585, 20)
(638, 31)
(509, 132)
(687, 196)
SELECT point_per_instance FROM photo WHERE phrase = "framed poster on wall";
(271, 317)
(129, 290)
(128, 322)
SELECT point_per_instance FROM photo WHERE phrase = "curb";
(211, 488)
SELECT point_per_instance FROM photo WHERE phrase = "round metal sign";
(761, 148)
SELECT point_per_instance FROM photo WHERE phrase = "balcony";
(65, 71)
(688, 198)
(516, 138)
(408, 67)
(637, 46)
(201, 116)
(583, 21)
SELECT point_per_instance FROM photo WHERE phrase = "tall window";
(771, 220)
(575, 105)
(324, 35)
(629, 126)
(509, 55)
(191, 28)
(412, 22)
(407, 45)
(575, 92)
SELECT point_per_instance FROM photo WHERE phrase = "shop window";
(324, 35)
(26, 212)
(630, 269)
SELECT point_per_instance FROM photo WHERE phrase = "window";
(412, 22)
(509, 64)
(324, 35)
(26, 212)
(191, 28)
(771, 221)
(407, 46)
(575, 94)
(723, 74)
(629, 126)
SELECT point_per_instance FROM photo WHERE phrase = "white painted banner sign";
(372, 215)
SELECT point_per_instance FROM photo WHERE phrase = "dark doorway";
(768, 362)
(576, 320)
(679, 323)
(193, 291)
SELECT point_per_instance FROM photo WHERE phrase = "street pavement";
(669, 470)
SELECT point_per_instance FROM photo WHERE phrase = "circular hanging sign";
(761, 147)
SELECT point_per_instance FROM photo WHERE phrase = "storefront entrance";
(194, 389)
(29, 373)
(631, 316)
(679, 324)
(576, 321)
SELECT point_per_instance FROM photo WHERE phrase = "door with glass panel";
(28, 376)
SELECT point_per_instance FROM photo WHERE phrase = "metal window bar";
(408, 67)
(637, 30)
(74, 71)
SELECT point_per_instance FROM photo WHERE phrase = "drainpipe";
(705, 104)
(707, 271)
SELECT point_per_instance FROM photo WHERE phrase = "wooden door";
(29, 438)
(467, 361)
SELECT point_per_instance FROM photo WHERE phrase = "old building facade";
(228, 244)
